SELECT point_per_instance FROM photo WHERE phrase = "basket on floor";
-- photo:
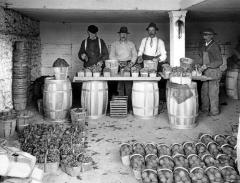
(7, 124)
(24, 119)
(118, 106)
(78, 116)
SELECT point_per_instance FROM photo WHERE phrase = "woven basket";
(72, 171)
(78, 115)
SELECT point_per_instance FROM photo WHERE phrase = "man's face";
(207, 36)
(123, 36)
(152, 31)
(91, 35)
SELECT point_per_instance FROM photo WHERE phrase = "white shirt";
(157, 48)
(123, 51)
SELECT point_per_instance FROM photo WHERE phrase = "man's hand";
(155, 59)
(204, 67)
(139, 59)
(84, 57)
(100, 63)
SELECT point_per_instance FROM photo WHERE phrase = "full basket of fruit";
(149, 175)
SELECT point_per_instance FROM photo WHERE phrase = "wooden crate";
(118, 106)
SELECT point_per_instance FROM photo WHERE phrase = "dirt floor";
(106, 134)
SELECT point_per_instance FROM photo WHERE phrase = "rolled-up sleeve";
(112, 54)
(162, 51)
(134, 53)
(141, 48)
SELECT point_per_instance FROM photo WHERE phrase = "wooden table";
(117, 78)
(145, 95)
(196, 78)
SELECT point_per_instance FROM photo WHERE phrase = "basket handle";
(45, 161)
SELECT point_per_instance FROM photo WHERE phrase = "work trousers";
(210, 91)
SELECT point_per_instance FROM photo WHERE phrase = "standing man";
(125, 52)
(212, 62)
(152, 48)
(93, 50)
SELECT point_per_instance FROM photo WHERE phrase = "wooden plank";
(119, 78)
(200, 78)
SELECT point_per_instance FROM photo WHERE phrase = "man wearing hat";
(212, 62)
(125, 52)
(93, 50)
(152, 48)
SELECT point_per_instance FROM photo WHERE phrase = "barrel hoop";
(49, 110)
(94, 90)
(149, 91)
(186, 117)
(146, 117)
(145, 107)
(56, 91)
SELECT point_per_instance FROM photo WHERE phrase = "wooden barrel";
(182, 115)
(57, 99)
(94, 98)
(232, 83)
(145, 99)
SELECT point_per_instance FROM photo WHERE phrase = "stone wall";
(17, 27)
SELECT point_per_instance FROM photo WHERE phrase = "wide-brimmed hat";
(93, 29)
(209, 31)
(152, 25)
(123, 29)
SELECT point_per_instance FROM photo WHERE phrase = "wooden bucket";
(94, 98)
(113, 66)
(232, 80)
(24, 119)
(7, 124)
(183, 115)
(145, 99)
(57, 99)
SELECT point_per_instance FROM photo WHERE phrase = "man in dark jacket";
(212, 61)
(93, 50)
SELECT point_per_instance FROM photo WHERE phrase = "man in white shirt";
(125, 52)
(152, 48)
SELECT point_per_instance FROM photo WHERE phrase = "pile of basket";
(20, 76)
(212, 158)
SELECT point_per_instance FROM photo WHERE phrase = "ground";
(106, 134)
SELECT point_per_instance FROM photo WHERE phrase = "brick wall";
(16, 27)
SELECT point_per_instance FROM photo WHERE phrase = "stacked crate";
(118, 106)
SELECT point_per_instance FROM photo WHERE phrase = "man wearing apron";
(93, 50)
(125, 52)
(152, 48)
(212, 62)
